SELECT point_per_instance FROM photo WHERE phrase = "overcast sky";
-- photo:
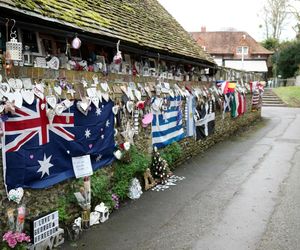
(242, 15)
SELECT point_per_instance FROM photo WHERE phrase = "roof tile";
(142, 22)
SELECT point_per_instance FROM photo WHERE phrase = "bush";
(124, 172)
(100, 185)
(171, 153)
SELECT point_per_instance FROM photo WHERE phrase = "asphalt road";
(241, 194)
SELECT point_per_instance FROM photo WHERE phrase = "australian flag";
(38, 153)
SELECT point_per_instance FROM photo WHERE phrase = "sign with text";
(82, 166)
(44, 227)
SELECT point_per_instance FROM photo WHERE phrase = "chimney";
(203, 28)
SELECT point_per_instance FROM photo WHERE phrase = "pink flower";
(7, 235)
(12, 242)
(13, 239)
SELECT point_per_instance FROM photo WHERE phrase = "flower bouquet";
(15, 240)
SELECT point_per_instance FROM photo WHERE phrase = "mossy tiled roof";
(142, 22)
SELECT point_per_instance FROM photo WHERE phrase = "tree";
(289, 59)
(275, 13)
(270, 44)
(296, 13)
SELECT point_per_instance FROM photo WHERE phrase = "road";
(241, 194)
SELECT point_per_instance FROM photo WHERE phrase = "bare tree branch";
(275, 14)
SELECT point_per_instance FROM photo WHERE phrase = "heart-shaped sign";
(85, 112)
(59, 109)
(147, 119)
(28, 96)
(85, 103)
(11, 82)
(16, 195)
(105, 96)
(96, 80)
(27, 84)
(130, 106)
(4, 89)
(99, 94)
(91, 92)
(38, 90)
(90, 146)
(50, 115)
(53, 63)
(51, 100)
(130, 94)
(18, 84)
(118, 154)
(95, 101)
(18, 100)
(137, 94)
(58, 90)
(67, 104)
(104, 86)
(115, 109)
(124, 89)
(15, 97)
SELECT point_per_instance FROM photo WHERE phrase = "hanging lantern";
(76, 43)
(14, 50)
(13, 47)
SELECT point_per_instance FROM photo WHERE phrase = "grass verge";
(290, 95)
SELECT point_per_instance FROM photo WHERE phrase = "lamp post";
(242, 58)
(275, 68)
(244, 38)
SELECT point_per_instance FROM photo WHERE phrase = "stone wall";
(41, 201)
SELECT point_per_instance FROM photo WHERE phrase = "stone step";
(274, 105)
(272, 100)
(270, 96)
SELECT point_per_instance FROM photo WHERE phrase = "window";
(242, 50)
(31, 40)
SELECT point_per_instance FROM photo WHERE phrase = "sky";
(242, 15)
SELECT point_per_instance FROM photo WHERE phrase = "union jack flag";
(29, 123)
(38, 153)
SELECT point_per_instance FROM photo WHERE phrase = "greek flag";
(167, 124)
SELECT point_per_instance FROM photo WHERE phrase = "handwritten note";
(82, 166)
